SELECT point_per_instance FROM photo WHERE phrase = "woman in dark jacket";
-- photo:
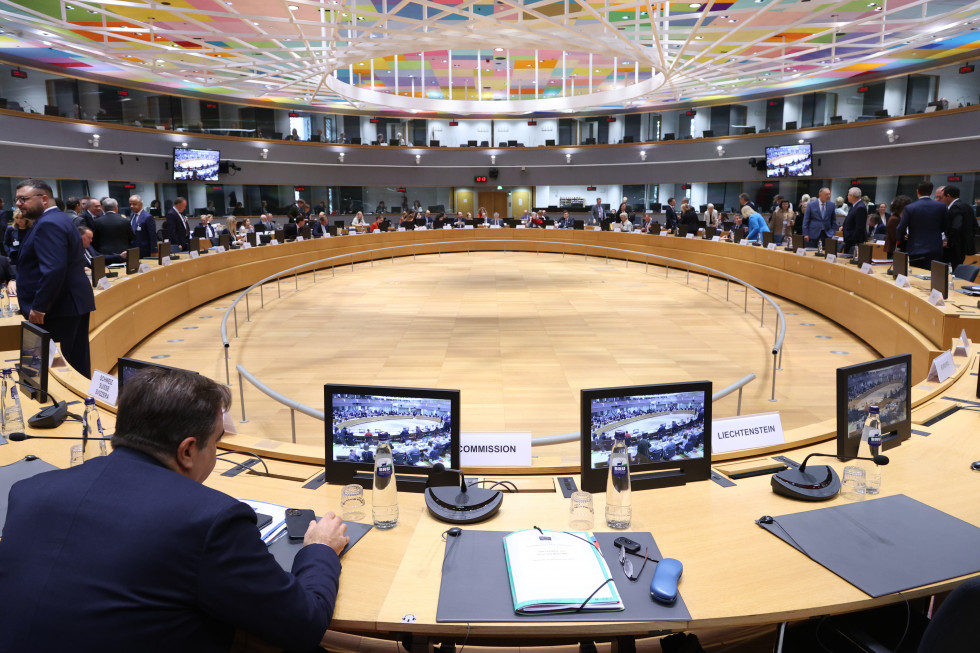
(15, 235)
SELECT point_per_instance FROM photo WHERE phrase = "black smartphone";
(627, 543)
(298, 520)
(261, 521)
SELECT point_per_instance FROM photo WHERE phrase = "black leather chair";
(966, 272)
(953, 627)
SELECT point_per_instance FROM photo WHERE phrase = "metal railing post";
(707, 285)
(292, 423)
(241, 395)
(248, 311)
(227, 371)
(738, 409)
(746, 301)
(296, 281)
(688, 280)
(236, 320)
(762, 312)
(279, 286)
(773, 397)
(780, 359)
(728, 289)
(314, 275)
(262, 294)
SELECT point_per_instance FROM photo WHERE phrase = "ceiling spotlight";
(293, 8)
(801, 141)
(340, 157)
(264, 153)
(94, 141)
(418, 159)
(643, 155)
(568, 158)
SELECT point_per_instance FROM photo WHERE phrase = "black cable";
(251, 456)
(511, 487)
(908, 622)
(586, 601)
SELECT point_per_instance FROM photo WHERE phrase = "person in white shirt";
(624, 222)
(359, 220)
(711, 216)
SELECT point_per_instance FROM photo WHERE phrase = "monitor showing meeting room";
(423, 425)
(667, 429)
(884, 383)
(195, 165)
(789, 161)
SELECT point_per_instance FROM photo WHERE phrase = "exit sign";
(953, 178)
(968, 68)
(19, 74)
(480, 179)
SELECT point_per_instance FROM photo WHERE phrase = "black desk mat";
(285, 549)
(476, 588)
(884, 545)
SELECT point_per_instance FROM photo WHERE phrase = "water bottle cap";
(89, 401)
(874, 410)
(7, 371)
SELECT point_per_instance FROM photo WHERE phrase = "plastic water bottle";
(13, 415)
(384, 496)
(619, 510)
(4, 429)
(873, 432)
(94, 445)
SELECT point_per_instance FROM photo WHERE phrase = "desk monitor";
(709, 232)
(127, 367)
(471, 143)
(549, 142)
(224, 240)
(280, 235)
(666, 435)
(32, 370)
(423, 425)
(98, 270)
(669, 136)
(797, 242)
(830, 245)
(251, 239)
(306, 232)
(900, 263)
(656, 207)
(864, 253)
(163, 252)
(433, 143)
(939, 278)
(132, 260)
(885, 383)
(791, 125)
(681, 231)
(578, 224)
(766, 238)
(737, 235)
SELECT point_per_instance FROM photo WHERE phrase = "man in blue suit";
(144, 226)
(53, 290)
(131, 552)
(923, 220)
(819, 217)
(175, 229)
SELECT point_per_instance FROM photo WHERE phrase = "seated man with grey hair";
(131, 552)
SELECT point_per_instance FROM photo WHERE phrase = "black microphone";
(49, 417)
(877, 459)
(439, 469)
(20, 437)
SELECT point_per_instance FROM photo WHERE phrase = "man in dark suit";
(290, 230)
(186, 566)
(51, 284)
(924, 221)
(670, 214)
(113, 233)
(143, 225)
(205, 229)
(91, 209)
(819, 218)
(265, 224)
(961, 227)
(743, 200)
(89, 252)
(856, 222)
(322, 228)
(598, 213)
(6, 215)
(175, 229)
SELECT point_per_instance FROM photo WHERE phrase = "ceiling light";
(695, 5)
(293, 8)
(498, 49)
(732, 20)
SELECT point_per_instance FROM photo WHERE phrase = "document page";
(555, 571)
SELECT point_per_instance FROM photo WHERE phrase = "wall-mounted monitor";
(789, 160)
(423, 425)
(32, 368)
(667, 428)
(885, 383)
(195, 165)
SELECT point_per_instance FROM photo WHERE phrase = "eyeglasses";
(628, 565)
(22, 200)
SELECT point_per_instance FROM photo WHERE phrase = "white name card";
(664, 233)
(194, 254)
(495, 226)
(716, 239)
(879, 242)
(144, 267)
(447, 226)
(246, 245)
(470, 226)
(165, 261)
(375, 231)
(831, 258)
(746, 432)
(902, 281)
(103, 387)
(963, 346)
(495, 448)
(271, 242)
(689, 236)
(300, 238)
(104, 284)
(800, 251)
(936, 298)
(521, 226)
(401, 228)
(421, 228)
(219, 248)
(772, 246)
(745, 241)
(866, 268)
(942, 367)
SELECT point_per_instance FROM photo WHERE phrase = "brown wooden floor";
(520, 334)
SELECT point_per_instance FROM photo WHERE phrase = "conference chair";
(966, 272)
(953, 627)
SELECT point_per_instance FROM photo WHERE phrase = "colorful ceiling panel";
(498, 56)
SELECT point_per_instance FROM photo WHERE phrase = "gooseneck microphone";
(20, 437)
(819, 483)
(49, 417)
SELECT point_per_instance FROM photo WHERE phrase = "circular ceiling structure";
(486, 57)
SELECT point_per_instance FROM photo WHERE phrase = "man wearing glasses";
(131, 552)
(53, 290)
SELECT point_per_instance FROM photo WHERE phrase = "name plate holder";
(902, 281)
(936, 298)
(942, 367)
(104, 387)
(746, 432)
(866, 268)
(495, 448)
